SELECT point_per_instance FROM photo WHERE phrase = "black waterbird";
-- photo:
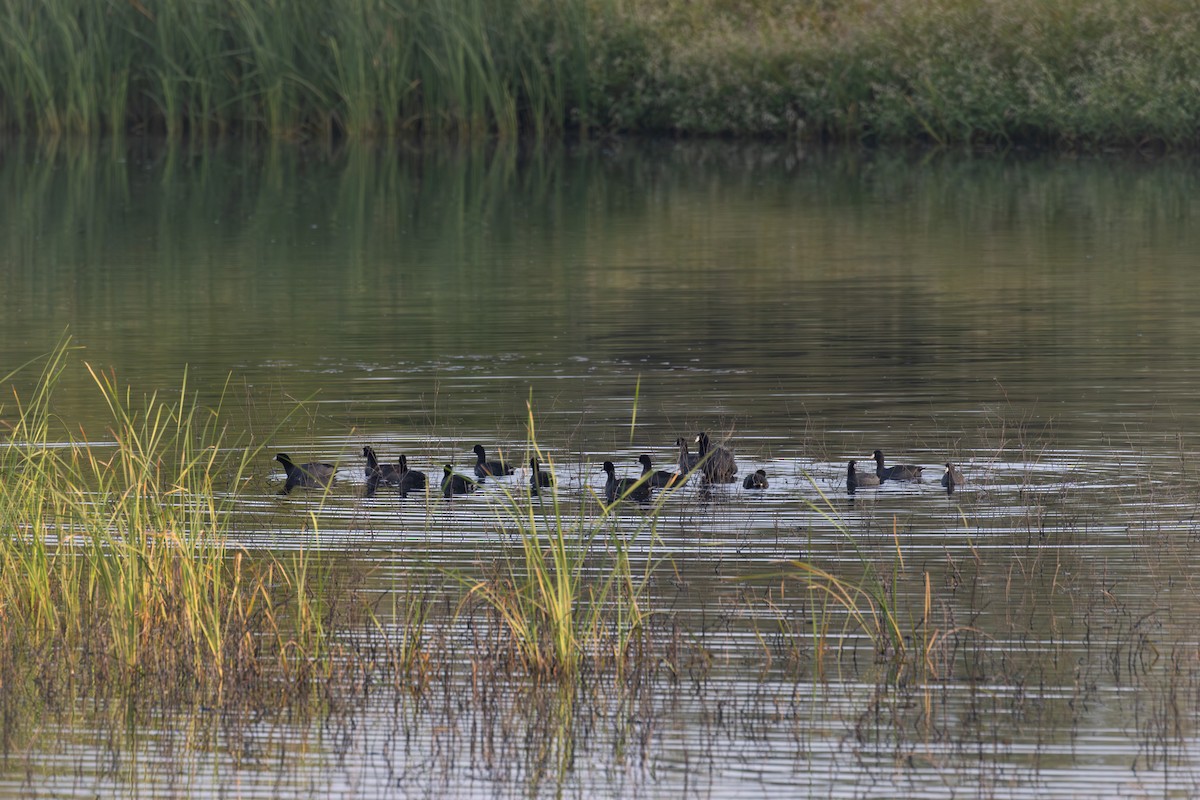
(900, 472)
(485, 469)
(308, 476)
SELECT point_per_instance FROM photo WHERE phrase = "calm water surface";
(1029, 318)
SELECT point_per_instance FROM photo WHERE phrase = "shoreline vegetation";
(1071, 74)
(138, 626)
(119, 561)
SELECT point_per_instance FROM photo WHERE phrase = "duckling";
(756, 480)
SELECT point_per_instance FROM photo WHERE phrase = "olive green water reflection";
(774, 280)
(1031, 318)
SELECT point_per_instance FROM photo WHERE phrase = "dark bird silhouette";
(388, 474)
(716, 463)
(453, 484)
(537, 478)
(657, 479)
(308, 476)
(620, 488)
(687, 461)
(900, 472)
(952, 478)
(485, 469)
(411, 480)
(756, 480)
(856, 479)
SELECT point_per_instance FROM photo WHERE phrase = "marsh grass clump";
(553, 614)
(114, 565)
(569, 594)
(874, 602)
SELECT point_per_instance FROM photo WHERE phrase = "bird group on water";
(952, 478)
(713, 465)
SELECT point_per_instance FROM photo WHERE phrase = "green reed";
(946, 71)
(113, 553)
(354, 67)
(555, 609)
(548, 599)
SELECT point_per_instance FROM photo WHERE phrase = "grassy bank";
(1066, 73)
(896, 70)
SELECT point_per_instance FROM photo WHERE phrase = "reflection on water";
(1028, 318)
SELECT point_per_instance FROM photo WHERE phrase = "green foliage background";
(1045, 71)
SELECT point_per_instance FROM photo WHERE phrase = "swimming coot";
(620, 488)
(410, 479)
(856, 479)
(485, 469)
(900, 472)
(952, 478)
(453, 484)
(717, 463)
(687, 462)
(308, 476)
(537, 478)
(658, 479)
(377, 473)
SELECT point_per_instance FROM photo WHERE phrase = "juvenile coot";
(308, 476)
(900, 472)
(952, 478)
(537, 478)
(377, 473)
(657, 479)
(485, 469)
(856, 479)
(717, 463)
(453, 484)
(756, 480)
(620, 488)
(410, 479)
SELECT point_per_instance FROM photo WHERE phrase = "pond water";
(1030, 318)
